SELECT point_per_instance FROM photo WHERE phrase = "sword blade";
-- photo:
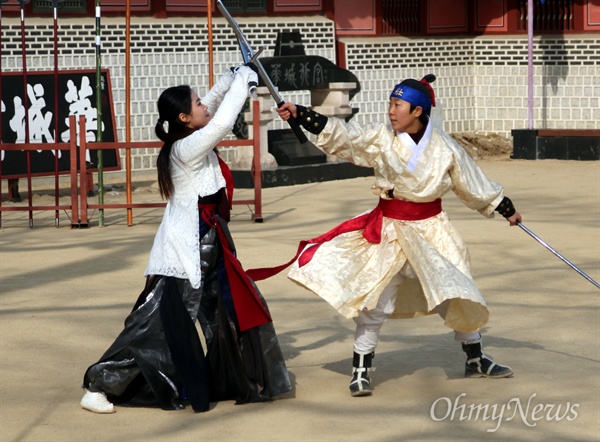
(565, 260)
(245, 48)
(249, 55)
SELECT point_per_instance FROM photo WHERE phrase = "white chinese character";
(17, 122)
(275, 74)
(304, 74)
(81, 105)
(318, 74)
(39, 123)
(290, 75)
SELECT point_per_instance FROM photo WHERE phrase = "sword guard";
(256, 54)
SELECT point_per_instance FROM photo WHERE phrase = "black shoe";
(478, 365)
(13, 191)
(360, 385)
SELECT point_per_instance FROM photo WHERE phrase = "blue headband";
(412, 95)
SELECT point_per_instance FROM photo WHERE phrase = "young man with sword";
(404, 258)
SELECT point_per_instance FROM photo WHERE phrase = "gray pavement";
(65, 293)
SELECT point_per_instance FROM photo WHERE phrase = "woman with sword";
(193, 274)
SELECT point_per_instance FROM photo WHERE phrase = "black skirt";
(158, 359)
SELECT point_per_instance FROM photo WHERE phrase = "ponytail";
(171, 103)
(165, 183)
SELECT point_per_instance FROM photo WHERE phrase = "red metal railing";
(73, 172)
(80, 206)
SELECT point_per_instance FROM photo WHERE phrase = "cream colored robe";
(350, 273)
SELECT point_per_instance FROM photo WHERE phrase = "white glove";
(247, 74)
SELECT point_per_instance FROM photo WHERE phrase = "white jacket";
(195, 172)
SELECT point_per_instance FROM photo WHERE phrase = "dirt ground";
(64, 294)
(481, 146)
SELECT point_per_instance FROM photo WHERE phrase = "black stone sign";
(306, 72)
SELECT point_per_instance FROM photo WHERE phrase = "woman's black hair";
(172, 102)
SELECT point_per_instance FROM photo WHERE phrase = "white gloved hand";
(248, 74)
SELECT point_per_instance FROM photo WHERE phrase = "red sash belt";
(371, 224)
(226, 171)
(249, 309)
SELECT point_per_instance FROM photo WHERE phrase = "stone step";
(303, 174)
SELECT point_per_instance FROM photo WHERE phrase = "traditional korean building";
(477, 48)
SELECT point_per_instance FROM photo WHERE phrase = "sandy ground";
(65, 293)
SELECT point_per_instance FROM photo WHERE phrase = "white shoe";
(96, 402)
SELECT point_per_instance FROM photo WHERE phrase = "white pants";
(369, 322)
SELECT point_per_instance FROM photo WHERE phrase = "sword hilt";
(295, 127)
